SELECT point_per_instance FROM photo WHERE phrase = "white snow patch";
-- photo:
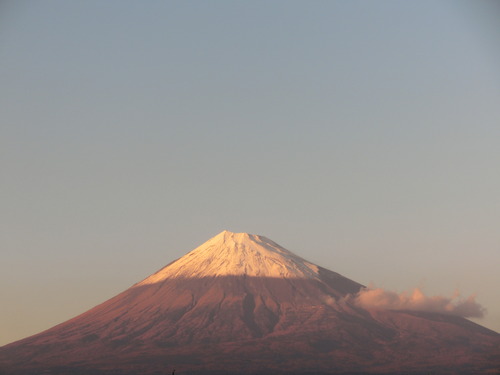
(237, 254)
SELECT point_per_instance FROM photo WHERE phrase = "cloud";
(382, 299)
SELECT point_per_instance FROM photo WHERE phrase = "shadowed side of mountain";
(244, 324)
(256, 305)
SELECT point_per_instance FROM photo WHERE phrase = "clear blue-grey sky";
(363, 136)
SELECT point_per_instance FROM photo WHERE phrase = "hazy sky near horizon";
(363, 136)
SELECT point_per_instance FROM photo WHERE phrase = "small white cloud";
(382, 299)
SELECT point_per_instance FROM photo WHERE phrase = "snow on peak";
(236, 254)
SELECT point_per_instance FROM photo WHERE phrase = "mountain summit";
(241, 303)
(237, 254)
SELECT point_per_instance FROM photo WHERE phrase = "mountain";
(240, 303)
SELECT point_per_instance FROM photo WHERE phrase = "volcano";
(242, 304)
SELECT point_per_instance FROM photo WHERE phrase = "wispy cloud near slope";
(379, 298)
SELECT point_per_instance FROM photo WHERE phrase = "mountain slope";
(242, 303)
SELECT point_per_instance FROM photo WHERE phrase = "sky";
(363, 136)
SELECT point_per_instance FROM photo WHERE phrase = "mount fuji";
(241, 303)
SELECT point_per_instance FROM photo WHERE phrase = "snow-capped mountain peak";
(236, 254)
(240, 303)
